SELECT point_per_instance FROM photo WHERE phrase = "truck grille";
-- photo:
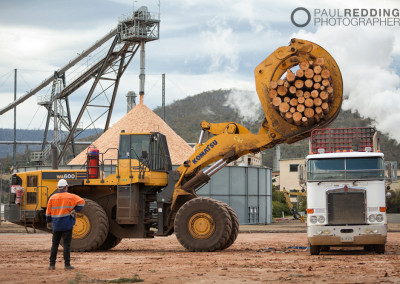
(346, 208)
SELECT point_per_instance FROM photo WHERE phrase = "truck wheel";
(91, 227)
(235, 227)
(379, 249)
(324, 248)
(110, 242)
(314, 250)
(369, 248)
(203, 224)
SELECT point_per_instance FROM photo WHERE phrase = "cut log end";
(299, 84)
(282, 91)
(290, 76)
(325, 74)
(276, 101)
(284, 107)
(297, 116)
(273, 85)
(272, 93)
(304, 65)
(320, 61)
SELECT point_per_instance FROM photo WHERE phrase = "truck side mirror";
(390, 171)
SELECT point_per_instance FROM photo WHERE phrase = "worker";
(60, 218)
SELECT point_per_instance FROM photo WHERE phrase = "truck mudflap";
(347, 235)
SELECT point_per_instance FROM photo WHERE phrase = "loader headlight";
(313, 219)
(321, 219)
(379, 218)
(371, 218)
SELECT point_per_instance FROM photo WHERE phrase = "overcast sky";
(204, 45)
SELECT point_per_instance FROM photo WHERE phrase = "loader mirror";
(145, 155)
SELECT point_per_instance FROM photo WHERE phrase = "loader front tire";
(91, 227)
(235, 227)
(203, 224)
(110, 242)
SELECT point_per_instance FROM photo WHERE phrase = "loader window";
(132, 146)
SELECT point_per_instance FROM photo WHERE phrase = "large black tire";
(110, 242)
(314, 250)
(325, 248)
(379, 249)
(203, 224)
(235, 227)
(369, 247)
(92, 223)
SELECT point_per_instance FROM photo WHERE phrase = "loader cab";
(144, 149)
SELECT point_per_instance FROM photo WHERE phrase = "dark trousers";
(67, 238)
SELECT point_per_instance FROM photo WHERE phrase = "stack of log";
(303, 98)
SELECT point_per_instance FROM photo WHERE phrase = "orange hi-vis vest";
(59, 210)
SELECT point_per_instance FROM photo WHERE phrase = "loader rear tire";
(203, 225)
(235, 227)
(91, 227)
(110, 242)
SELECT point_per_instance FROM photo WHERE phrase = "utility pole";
(163, 96)
(1, 185)
(142, 72)
(15, 122)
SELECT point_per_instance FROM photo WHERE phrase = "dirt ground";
(254, 258)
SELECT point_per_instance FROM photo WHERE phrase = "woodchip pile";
(303, 98)
(138, 120)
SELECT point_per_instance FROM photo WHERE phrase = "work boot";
(69, 267)
(52, 267)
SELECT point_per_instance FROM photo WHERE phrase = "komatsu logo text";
(205, 151)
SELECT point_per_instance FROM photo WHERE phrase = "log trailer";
(119, 205)
(346, 180)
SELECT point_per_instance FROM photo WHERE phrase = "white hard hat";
(62, 183)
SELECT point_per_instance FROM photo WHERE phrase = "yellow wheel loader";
(121, 204)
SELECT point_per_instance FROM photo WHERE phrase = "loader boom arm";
(230, 140)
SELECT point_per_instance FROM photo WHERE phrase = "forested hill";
(184, 116)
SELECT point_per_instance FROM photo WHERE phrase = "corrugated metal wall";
(248, 190)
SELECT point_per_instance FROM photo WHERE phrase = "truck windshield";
(345, 169)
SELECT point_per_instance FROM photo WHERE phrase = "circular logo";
(306, 22)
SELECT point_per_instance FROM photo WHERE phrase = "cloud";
(203, 45)
(371, 84)
(246, 103)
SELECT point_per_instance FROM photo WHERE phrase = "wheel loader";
(143, 197)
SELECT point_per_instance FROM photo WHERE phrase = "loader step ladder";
(128, 204)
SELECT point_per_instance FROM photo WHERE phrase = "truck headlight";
(321, 219)
(313, 219)
(379, 218)
(371, 218)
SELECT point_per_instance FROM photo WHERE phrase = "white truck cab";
(346, 189)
